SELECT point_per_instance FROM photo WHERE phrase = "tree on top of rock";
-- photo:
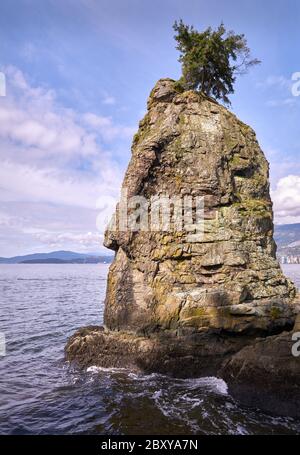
(211, 59)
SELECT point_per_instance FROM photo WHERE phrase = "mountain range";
(287, 237)
(57, 257)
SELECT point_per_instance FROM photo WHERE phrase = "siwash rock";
(186, 307)
(230, 279)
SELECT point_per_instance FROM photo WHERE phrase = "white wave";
(146, 377)
(212, 383)
(94, 369)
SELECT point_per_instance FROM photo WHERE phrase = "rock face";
(266, 375)
(188, 305)
(230, 279)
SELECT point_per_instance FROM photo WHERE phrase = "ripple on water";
(41, 394)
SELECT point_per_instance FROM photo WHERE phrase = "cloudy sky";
(78, 73)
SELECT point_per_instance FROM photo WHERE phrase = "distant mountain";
(287, 237)
(57, 257)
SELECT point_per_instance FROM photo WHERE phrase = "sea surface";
(40, 307)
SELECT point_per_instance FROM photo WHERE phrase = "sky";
(78, 74)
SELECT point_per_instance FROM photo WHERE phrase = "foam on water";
(94, 369)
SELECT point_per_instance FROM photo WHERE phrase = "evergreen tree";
(211, 59)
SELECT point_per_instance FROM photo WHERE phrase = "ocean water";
(40, 307)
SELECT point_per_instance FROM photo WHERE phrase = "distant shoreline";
(61, 261)
(59, 257)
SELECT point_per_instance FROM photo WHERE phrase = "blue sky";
(78, 75)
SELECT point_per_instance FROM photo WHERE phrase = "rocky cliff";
(179, 303)
(230, 278)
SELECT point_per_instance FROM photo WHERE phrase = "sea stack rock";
(181, 303)
(227, 280)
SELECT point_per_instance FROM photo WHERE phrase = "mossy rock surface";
(187, 144)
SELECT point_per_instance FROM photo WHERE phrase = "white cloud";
(106, 127)
(33, 119)
(88, 241)
(282, 102)
(56, 178)
(286, 199)
(25, 183)
(281, 88)
(279, 81)
(5, 219)
(109, 100)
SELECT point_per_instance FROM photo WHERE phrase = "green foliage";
(211, 59)
(275, 312)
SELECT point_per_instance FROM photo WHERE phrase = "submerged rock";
(177, 302)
